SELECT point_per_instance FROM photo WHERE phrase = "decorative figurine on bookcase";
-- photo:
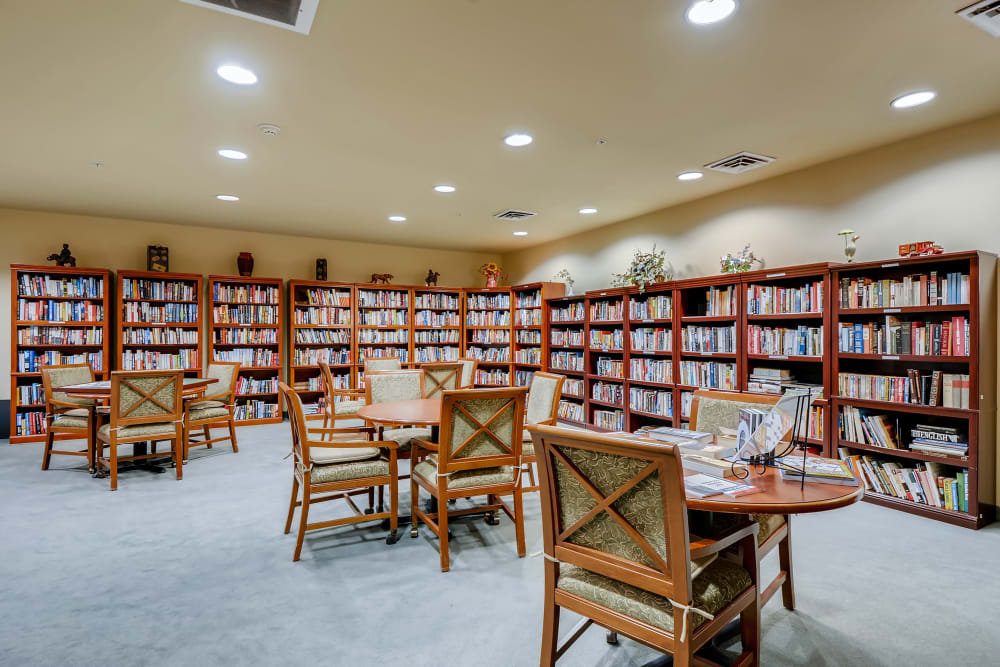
(244, 263)
(740, 262)
(646, 268)
(493, 273)
(920, 249)
(850, 247)
(157, 258)
(384, 278)
(321, 268)
(564, 276)
(432, 278)
(62, 258)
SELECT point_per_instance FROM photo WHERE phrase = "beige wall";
(27, 237)
(943, 186)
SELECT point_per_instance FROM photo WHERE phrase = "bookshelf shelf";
(86, 291)
(906, 310)
(784, 317)
(958, 461)
(915, 358)
(787, 357)
(939, 513)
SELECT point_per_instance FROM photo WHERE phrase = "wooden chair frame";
(447, 464)
(527, 461)
(370, 359)
(780, 538)
(313, 493)
(668, 577)
(121, 419)
(227, 397)
(434, 386)
(332, 393)
(472, 373)
(54, 408)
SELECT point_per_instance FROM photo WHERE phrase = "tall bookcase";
(160, 321)
(650, 357)
(247, 326)
(321, 328)
(567, 320)
(531, 346)
(59, 315)
(891, 320)
(384, 323)
(437, 324)
(489, 334)
(605, 358)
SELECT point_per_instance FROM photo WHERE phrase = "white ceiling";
(384, 99)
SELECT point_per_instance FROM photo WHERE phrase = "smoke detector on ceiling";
(737, 164)
(269, 129)
(984, 15)
(294, 15)
(512, 214)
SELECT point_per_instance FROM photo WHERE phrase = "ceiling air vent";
(511, 214)
(737, 164)
(985, 15)
(295, 15)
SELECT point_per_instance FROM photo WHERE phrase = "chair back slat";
(146, 397)
(543, 398)
(63, 375)
(469, 367)
(439, 377)
(615, 506)
(297, 420)
(225, 374)
(712, 409)
(480, 428)
(388, 386)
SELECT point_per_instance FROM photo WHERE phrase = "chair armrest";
(216, 397)
(707, 546)
(66, 404)
(351, 444)
(352, 393)
(424, 444)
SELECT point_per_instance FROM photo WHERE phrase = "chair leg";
(750, 632)
(114, 465)
(531, 474)
(381, 498)
(178, 448)
(47, 453)
(443, 528)
(785, 562)
(232, 435)
(291, 504)
(91, 444)
(208, 434)
(303, 517)
(186, 440)
(550, 629)
(393, 509)
(371, 501)
(519, 520)
(414, 499)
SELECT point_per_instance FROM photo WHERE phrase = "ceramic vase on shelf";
(245, 264)
(491, 281)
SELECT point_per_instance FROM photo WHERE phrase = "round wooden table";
(419, 412)
(780, 497)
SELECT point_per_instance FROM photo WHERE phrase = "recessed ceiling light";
(520, 233)
(518, 140)
(710, 11)
(914, 99)
(397, 218)
(232, 154)
(588, 211)
(237, 74)
(444, 188)
(227, 197)
(690, 176)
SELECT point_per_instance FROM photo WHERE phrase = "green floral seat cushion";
(208, 413)
(201, 405)
(718, 585)
(721, 521)
(341, 408)
(326, 455)
(341, 472)
(462, 480)
(124, 432)
(527, 449)
(75, 418)
(402, 436)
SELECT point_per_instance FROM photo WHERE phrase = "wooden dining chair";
(542, 408)
(711, 409)
(215, 408)
(343, 403)
(618, 553)
(145, 406)
(338, 470)
(480, 449)
(390, 386)
(439, 377)
(469, 367)
(65, 414)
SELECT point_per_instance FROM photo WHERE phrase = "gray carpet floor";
(198, 572)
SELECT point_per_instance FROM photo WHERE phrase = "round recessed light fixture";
(227, 197)
(237, 74)
(444, 188)
(518, 140)
(689, 176)
(710, 11)
(588, 211)
(520, 233)
(397, 218)
(232, 154)
(914, 99)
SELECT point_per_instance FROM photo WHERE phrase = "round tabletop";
(781, 497)
(423, 412)
(102, 388)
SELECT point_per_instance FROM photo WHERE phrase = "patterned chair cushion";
(71, 419)
(467, 378)
(402, 436)
(225, 377)
(341, 472)
(527, 449)
(341, 408)
(718, 585)
(61, 377)
(208, 413)
(716, 412)
(769, 523)
(395, 387)
(382, 365)
(164, 429)
(465, 479)
(326, 455)
(202, 405)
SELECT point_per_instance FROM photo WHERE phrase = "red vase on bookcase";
(491, 281)
(245, 264)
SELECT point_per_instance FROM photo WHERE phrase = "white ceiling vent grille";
(294, 15)
(511, 214)
(737, 164)
(985, 15)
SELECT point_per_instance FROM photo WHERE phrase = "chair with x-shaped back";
(439, 377)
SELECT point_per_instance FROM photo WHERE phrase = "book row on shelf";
(492, 376)
(523, 378)
(767, 380)
(244, 314)
(529, 299)
(138, 360)
(489, 336)
(487, 301)
(528, 318)
(651, 401)
(324, 315)
(948, 390)
(238, 336)
(566, 337)
(321, 336)
(400, 353)
(249, 386)
(141, 312)
(383, 318)
(256, 409)
(312, 356)
(720, 301)
(437, 336)
(246, 293)
(383, 298)
(651, 370)
(159, 290)
(253, 357)
(777, 300)
(573, 387)
(646, 339)
(61, 311)
(571, 411)
(607, 339)
(608, 392)
(423, 355)
(326, 296)
(139, 335)
(609, 367)
(919, 289)
(573, 312)
(925, 483)
(875, 429)
(530, 355)
(30, 394)
(800, 341)
(708, 339)
(383, 336)
(529, 337)
(431, 318)
(436, 300)
(42, 335)
(567, 361)
(653, 308)
(612, 420)
(606, 311)
(947, 338)
(498, 354)
(30, 361)
(34, 284)
(708, 374)
(488, 318)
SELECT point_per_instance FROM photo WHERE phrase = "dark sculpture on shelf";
(62, 258)
(384, 278)
(432, 278)
(157, 258)
(321, 268)
(244, 263)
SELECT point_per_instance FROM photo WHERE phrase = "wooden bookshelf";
(531, 346)
(160, 317)
(248, 326)
(871, 346)
(605, 339)
(650, 365)
(489, 334)
(321, 328)
(384, 323)
(42, 332)
(566, 324)
(438, 314)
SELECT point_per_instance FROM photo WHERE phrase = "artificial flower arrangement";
(741, 262)
(492, 272)
(646, 268)
(565, 277)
